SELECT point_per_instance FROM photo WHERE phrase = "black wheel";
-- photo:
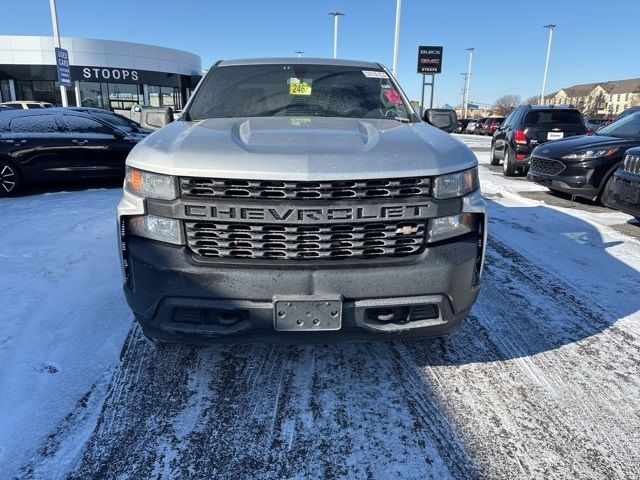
(9, 179)
(508, 168)
(604, 195)
(494, 161)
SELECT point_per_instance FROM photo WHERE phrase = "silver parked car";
(300, 200)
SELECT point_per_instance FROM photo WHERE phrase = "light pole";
(56, 41)
(546, 64)
(298, 53)
(335, 14)
(468, 82)
(463, 92)
(396, 38)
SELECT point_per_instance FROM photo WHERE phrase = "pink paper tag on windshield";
(393, 96)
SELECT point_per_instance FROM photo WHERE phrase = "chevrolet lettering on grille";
(308, 215)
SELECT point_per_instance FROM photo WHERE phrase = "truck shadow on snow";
(353, 410)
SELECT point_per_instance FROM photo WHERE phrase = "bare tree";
(505, 104)
(533, 100)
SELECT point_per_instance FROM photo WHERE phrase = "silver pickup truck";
(300, 200)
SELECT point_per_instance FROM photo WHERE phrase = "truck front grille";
(304, 242)
(331, 189)
(546, 166)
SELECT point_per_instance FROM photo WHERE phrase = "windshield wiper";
(402, 119)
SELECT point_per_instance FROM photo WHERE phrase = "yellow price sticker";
(299, 89)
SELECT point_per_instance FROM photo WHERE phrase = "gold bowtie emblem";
(406, 230)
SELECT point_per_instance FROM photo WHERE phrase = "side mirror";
(118, 134)
(155, 117)
(443, 119)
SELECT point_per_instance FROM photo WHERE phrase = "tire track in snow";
(517, 393)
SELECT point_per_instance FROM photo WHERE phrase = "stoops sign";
(63, 68)
(429, 60)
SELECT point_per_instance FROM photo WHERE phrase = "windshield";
(298, 90)
(626, 127)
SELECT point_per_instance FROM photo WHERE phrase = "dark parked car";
(462, 125)
(584, 166)
(624, 189)
(490, 125)
(58, 144)
(529, 126)
(128, 126)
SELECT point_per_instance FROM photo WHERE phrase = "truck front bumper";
(177, 296)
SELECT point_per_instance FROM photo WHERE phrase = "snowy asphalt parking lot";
(541, 382)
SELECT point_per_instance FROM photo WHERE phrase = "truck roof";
(300, 61)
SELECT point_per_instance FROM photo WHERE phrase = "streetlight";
(463, 92)
(468, 82)
(335, 31)
(396, 38)
(546, 64)
(298, 53)
(56, 41)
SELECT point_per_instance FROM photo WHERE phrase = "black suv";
(584, 166)
(58, 144)
(528, 126)
(624, 189)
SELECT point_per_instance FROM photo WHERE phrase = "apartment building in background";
(602, 99)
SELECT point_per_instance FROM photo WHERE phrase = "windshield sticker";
(393, 96)
(374, 74)
(297, 87)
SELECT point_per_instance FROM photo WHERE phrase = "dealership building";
(105, 73)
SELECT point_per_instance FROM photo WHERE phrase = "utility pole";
(298, 53)
(396, 38)
(546, 64)
(464, 93)
(56, 41)
(335, 14)
(468, 81)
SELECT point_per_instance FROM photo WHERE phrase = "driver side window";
(80, 125)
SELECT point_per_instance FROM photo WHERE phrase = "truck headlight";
(162, 229)
(150, 185)
(456, 184)
(442, 228)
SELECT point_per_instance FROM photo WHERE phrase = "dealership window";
(123, 96)
(5, 92)
(42, 91)
(92, 94)
(166, 97)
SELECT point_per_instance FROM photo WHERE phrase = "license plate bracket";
(307, 313)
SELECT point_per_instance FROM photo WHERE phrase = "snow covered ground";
(542, 381)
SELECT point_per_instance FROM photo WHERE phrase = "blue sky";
(591, 42)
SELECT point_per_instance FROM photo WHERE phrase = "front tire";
(508, 168)
(10, 181)
(604, 195)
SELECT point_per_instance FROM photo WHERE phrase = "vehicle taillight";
(519, 136)
(589, 131)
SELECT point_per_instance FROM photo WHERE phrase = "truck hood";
(560, 148)
(305, 148)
